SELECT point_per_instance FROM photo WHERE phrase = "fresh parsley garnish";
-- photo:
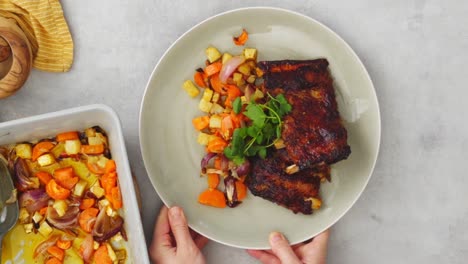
(264, 130)
(237, 105)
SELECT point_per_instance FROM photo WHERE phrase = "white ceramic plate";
(172, 155)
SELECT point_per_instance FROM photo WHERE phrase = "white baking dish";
(80, 118)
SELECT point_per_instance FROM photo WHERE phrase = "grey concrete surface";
(414, 209)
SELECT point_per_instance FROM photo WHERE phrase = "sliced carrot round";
(41, 148)
(212, 197)
(87, 219)
(56, 191)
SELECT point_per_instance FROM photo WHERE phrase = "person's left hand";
(173, 242)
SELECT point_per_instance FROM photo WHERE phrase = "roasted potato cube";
(37, 217)
(23, 216)
(212, 54)
(190, 88)
(205, 106)
(102, 161)
(73, 147)
(251, 79)
(216, 109)
(244, 68)
(90, 132)
(250, 53)
(46, 160)
(45, 229)
(94, 141)
(238, 78)
(215, 121)
(24, 151)
(111, 252)
(61, 207)
(279, 144)
(216, 97)
(258, 94)
(28, 228)
(207, 95)
(97, 191)
(80, 188)
(226, 57)
(316, 203)
(203, 138)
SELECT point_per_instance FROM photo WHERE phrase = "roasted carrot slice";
(216, 145)
(64, 173)
(199, 78)
(64, 244)
(241, 190)
(56, 252)
(201, 122)
(212, 197)
(87, 203)
(65, 177)
(217, 163)
(53, 260)
(44, 177)
(116, 198)
(69, 183)
(56, 191)
(94, 168)
(88, 218)
(217, 85)
(41, 148)
(71, 135)
(242, 38)
(213, 180)
(101, 255)
(108, 182)
(213, 68)
(93, 149)
(110, 166)
(43, 210)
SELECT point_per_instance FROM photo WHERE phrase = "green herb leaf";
(262, 153)
(237, 105)
(256, 114)
(264, 129)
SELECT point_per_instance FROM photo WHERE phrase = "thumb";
(180, 229)
(280, 246)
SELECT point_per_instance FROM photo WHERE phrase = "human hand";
(173, 242)
(313, 252)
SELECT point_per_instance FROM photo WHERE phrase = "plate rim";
(330, 31)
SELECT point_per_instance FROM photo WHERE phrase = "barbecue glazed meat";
(269, 181)
(313, 132)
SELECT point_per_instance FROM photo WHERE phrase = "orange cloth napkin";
(44, 25)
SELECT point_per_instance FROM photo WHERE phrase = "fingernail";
(276, 237)
(175, 212)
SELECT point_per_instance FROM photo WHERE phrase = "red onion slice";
(34, 200)
(42, 247)
(206, 160)
(106, 226)
(229, 67)
(87, 249)
(67, 221)
(231, 192)
(23, 176)
(244, 168)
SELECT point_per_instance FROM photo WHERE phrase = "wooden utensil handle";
(22, 58)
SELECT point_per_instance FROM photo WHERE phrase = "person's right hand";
(313, 252)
